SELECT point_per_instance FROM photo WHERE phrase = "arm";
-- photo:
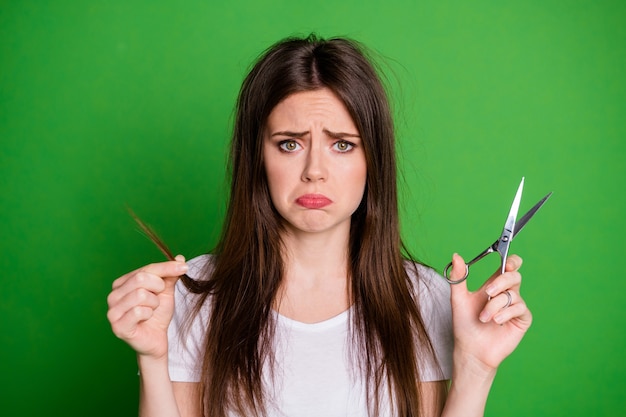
(156, 391)
(160, 397)
(189, 398)
(485, 333)
(433, 397)
(469, 390)
(141, 306)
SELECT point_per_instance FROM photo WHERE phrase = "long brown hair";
(247, 268)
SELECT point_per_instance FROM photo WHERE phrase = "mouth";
(313, 201)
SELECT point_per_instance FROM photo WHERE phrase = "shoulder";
(187, 329)
(199, 269)
(432, 296)
(428, 285)
(186, 308)
(200, 266)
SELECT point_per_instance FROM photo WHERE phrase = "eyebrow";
(336, 135)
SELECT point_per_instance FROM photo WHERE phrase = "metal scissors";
(510, 230)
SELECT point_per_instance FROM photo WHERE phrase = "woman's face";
(314, 161)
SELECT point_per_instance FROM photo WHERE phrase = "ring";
(509, 300)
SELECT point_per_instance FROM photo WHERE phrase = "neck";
(316, 255)
(315, 284)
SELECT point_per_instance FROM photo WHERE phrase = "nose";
(315, 168)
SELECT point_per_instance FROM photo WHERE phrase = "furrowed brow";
(289, 134)
(341, 135)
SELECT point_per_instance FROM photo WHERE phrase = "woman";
(308, 306)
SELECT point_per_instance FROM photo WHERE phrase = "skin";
(312, 147)
(485, 333)
(316, 160)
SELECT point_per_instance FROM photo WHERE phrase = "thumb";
(182, 268)
(459, 271)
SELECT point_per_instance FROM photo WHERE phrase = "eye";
(289, 145)
(343, 146)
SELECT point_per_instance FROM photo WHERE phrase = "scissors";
(510, 230)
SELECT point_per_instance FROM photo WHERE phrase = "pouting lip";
(313, 201)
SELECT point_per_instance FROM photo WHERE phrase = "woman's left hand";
(488, 330)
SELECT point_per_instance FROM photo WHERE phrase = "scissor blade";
(522, 222)
(510, 220)
(503, 243)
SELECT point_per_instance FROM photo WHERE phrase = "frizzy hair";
(243, 279)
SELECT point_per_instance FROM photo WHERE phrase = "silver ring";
(509, 300)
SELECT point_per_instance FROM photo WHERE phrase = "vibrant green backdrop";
(108, 103)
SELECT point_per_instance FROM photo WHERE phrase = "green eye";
(288, 145)
(344, 146)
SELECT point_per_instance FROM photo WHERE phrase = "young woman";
(309, 306)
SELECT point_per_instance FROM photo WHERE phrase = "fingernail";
(498, 319)
(491, 290)
(183, 267)
(483, 317)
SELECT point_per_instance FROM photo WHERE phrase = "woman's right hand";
(141, 306)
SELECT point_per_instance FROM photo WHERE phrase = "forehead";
(311, 107)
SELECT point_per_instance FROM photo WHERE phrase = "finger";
(518, 312)
(513, 263)
(148, 277)
(136, 280)
(161, 269)
(139, 297)
(126, 326)
(500, 302)
(459, 270)
(490, 280)
(508, 280)
(170, 282)
(167, 269)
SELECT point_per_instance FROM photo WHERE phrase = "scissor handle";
(484, 253)
(458, 281)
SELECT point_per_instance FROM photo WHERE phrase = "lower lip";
(313, 201)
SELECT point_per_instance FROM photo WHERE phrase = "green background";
(108, 103)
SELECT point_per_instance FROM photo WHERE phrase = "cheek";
(358, 173)
(276, 181)
(356, 179)
(269, 166)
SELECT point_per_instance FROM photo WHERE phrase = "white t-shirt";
(314, 374)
